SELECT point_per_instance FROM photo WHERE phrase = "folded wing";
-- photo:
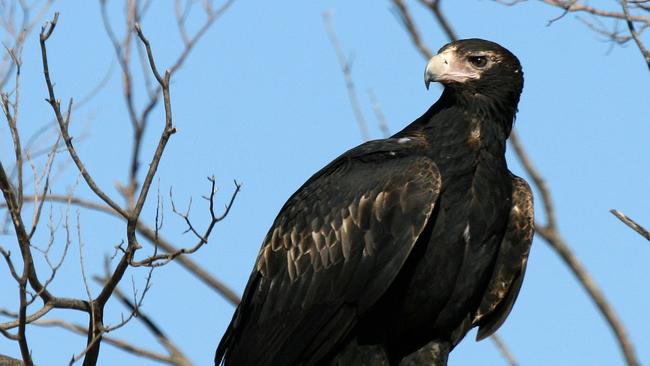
(335, 247)
(510, 265)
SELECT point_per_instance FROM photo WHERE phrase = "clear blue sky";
(262, 100)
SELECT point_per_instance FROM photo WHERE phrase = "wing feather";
(510, 265)
(335, 247)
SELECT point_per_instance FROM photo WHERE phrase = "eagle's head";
(477, 68)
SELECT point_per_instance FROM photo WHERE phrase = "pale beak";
(445, 67)
(436, 67)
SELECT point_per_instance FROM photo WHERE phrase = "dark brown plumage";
(398, 242)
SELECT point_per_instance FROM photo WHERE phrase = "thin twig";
(39, 201)
(12, 120)
(29, 319)
(46, 32)
(150, 234)
(631, 223)
(157, 260)
(123, 60)
(26, 27)
(379, 114)
(503, 349)
(407, 20)
(634, 34)
(347, 74)
(96, 328)
(175, 353)
(434, 6)
(573, 6)
(154, 97)
(53, 124)
(12, 268)
(121, 344)
(26, 254)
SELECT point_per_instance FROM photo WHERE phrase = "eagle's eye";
(478, 61)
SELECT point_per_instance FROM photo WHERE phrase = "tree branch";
(407, 21)
(347, 74)
(574, 6)
(630, 26)
(503, 349)
(151, 236)
(46, 32)
(118, 343)
(434, 6)
(631, 223)
(157, 260)
(552, 236)
(175, 355)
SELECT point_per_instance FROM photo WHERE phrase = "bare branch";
(158, 260)
(181, 17)
(503, 349)
(434, 6)
(29, 319)
(26, 27)
(631, 223)
(21, 234)
(643, 21)
(175, 353)
(12, 269)
(53, 125)
(131, 213)
(46, 32)
(121, 344)
(379, 114)
(12, 121)
(573, 6)
(10, 336)
(151, 236)
(39, 200)
(633, 32)
(123, 60)
(22, 319)
(167, 131)
(551, 235)
(154, 96)
(407, 20)
(538, 181)
(81, 257)
(347, 74)
(212, 16)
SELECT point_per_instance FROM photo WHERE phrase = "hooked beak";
(445, 67)
(436, 67)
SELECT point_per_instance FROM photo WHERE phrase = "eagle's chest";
(473, 206)
(473, 170)
(465, 231)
